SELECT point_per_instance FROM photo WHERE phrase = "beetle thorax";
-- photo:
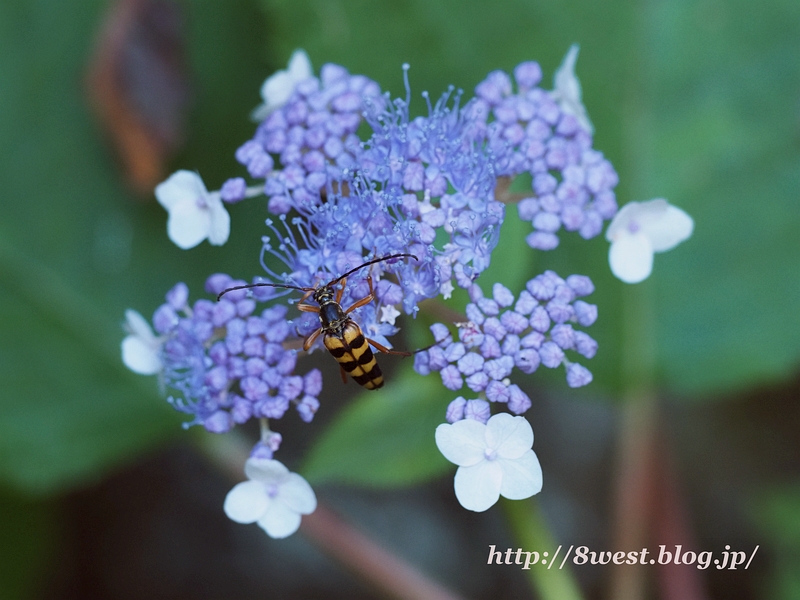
(332, 317)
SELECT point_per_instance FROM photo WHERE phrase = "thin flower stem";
(254, 191)
(442, 311)
(635, 486)
(672, 527)
(514, 197)
(635, 468)
(503, 193)
(532, 534)
(367, 559)
(501, 187)
(355, 551)
(646, 494)
(265, 431)
(649, 507)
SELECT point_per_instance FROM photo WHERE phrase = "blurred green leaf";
(721, 141)
(385, 437)
(77, 248)
(26, 539)
(777, 515)
(82, 409)
(531, 530)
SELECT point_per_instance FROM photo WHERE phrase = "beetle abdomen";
(352, 352)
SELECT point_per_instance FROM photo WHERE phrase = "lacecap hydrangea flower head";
(360, 230)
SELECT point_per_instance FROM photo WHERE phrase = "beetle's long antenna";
(307, 289)
(369, 262)
(252, 285)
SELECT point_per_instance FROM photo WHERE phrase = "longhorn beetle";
(342, 336)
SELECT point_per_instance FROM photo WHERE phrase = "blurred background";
(689, 434)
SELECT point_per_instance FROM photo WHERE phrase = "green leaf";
(532, 531)
(77, 248)
(69, 405)
(777, 516)
(722, 144)
(26, 544)
(385, 437)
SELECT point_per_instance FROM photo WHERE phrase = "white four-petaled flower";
(194, 213)
(567, 90)
(275, 498)
(638, 230)
(389, 314)
(278, 88)
(141, 347)
(495, 459)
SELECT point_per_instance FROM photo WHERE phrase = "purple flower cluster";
(227, 362)
(310, 142)
(528, 132)
(410, 181)
(422, 186)
(503, 333)
(429, 176)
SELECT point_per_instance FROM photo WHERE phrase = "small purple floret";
(455, 410)
(478, 410)
(578, 375)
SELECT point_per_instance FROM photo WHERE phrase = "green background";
(697, 102)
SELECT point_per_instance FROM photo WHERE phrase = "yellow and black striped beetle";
(343, 337)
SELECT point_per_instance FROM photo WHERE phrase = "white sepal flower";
(446, 290)
(194, 213)
(389, 314)
(493, 460)
(640, 229)
(277, 88)
(275, 498)
(567, 90)
(141, 348)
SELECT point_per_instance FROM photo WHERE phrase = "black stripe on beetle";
(343, 337)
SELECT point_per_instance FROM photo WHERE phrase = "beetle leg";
(365, 300)
(312, 337)
(307, 307)
(385, 350)
(340, 291)
(344, 374)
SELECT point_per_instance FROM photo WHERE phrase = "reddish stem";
(672, 528)
(364, 557)
(650, 511)
(634, 493)
(352, 549)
